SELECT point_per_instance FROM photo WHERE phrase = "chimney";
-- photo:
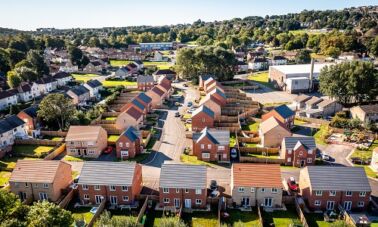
(311, 75)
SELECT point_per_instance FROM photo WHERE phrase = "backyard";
(4, 177)
(251, 127)
(202, 219)
(158, 64)
(115, 83)
(244, 218)
(281, 218)
(84, 77)
(365, 154)
(316, 220)
(261, 78)
(31, 150)
(81, 213)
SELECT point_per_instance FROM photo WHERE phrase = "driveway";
(337, 152)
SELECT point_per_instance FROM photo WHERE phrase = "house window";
(84, 187)
(186, 190)
(166, 200)
(198, 201)
(309, 160)
(112, 188)
(209, 146)
(45, 186)
(288, 159)
(317, 203)
(241, 189)
(262, 189)
(97, 187)
(120, 144)
(202, 146)
(125, 188)
(205, 155)
(177, 190)
(86, 196)
(221, 148)
(318, 193)
(198, 191)
(26, 185)
(165, 190)
(127, 144)
(289, 151)
(274, 190)
(360, 204)
(310, 151)
(332, 193)
(253, 190)
(125, 198)
(362, 194)
(348, 193)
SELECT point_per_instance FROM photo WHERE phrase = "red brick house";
(145, 83)
(145, 100)
(327, 187)
(207, 83)
(202, 117)
(179, 188)
(298, 151)
(202, 80)
(29, 116)
(219, 95)
(117, 182)
(212, 145)
(157, 97)
(128, 144)
(282, 113)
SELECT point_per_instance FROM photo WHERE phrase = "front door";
(177, 202)
(22, 196)
(188, 203)
(219, 157)
(98, 199)
(42, 196)
(268, 202)
(330, 205)
(113, 200)
(348, 205)
(245, 201)
(79, 152)
(124, 154)
(303, 162)
(85, 152)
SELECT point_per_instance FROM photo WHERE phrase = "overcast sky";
(32, 14)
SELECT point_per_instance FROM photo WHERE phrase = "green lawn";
(261, 78)
(113, 138)
(114, 83)
(69, 158)
(201, 219)
(158, 64)
(369, 172)
(119, 63)
(27, 150)
(57, 139)
(4, 177)
(189, 159)
(84, 77)
(251, 127)
(10, 163)
(251, 144)
(299, 122)
(364, 155)
(81, 213)
(316, 220)
(321, 134)
(111, 118)
(187, 116)
(281, 218)
(245, 218)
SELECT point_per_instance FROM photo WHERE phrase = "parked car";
(292, 184)
(108, 150)
(177, 114)
(326, 157)
(234, 153)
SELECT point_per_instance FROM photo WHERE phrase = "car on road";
(234, 153)
(177, 114)
(108, 150)
(292, 184)
(190, 104)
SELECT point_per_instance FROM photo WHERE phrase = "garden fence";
(110, 114)
(142, 210)
(61, 149)
(300, 213)
(249, 140)
(259, 150)
(67, 199)
(53, 133)
(98, 212)
(37, 142)
(261, 220)
(262, 160)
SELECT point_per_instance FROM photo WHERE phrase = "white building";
(47, 84)
(122, 73)
(27, 92)
(7, 99)
(94, 86)
(62, 78)
(11, 127)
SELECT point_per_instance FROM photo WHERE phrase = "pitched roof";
(145, 98)
(138, 104)
(325, 103)
(133, 112)
(220, 137)
(24, 88)
(94, 83)
(157, 91)
(209, 81)
(284, 111)
(10, 123)
(165, 83)
(132, 65)
(46, 80)
(131, 133)
(258, 60)
(270, 124)
(205, 77)
(279, 57)
(164, 72)
(308, 142)
(107, 173)
(31, 111)
(203, 109)
(256, 175)
(60, 75)
(174, 175)
(36, 171)
(145, 79)
(79, 90)
(302, 98)
(6, 94)
(313, 100)
(337, 178)
(370, 108)
(83, 133)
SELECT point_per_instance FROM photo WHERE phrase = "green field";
(119, 63)
(321, 134)
(244, 218)
(189, 159)
(281, 218)
(4, 177)
(28, 150)
(111, 118)
(252, 127)
(112, 138)
(261, 78)
(84, 77)
(81, 213)
(158, 64)
(367, 154)
(114, 83)
(205, 219)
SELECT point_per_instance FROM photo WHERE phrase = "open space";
(114, 83)
(281, 218)
(31, 150)
(203, 219)
(84, 77)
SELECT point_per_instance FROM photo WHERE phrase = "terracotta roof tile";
(256, 175)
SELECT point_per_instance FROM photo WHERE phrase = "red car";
(292, 184)
(108, 150)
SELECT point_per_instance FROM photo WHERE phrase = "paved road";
(337, 152)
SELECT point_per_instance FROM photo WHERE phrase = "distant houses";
(145, 83)
(366, 113)
(11, 127)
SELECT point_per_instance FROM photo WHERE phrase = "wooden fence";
(261, 220)
(98, 212)
(312, 120)
(259, 150)
(61, 149)
(226, 119)
(37, 142)
(249, 140)
(142, 210)
(231, 129)
(53, 133)
(110, 114)
(262, 160)
(67, 199)
(300, 214)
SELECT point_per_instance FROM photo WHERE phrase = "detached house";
(298, 151)
(29, 116)
(11, 127)
(258, 63)
(47, 84)
(366, 113)
(7, 99)
(94, 87)
(212, 145)
(145, 83)
(282, 113)
(272, 131)
(34, 180)
(62, 78)
(327, 187)
(119, 183)
(202, 117)
(128, 145)
(93, 67)
(157, 96)
(182, 185)
(122, 73)
(256, 185)
(145, 100)
(131, 117)
(86, 141)
(278, 60)
(79, 94)
(165, 85)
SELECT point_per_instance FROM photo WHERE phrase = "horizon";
(93, 14)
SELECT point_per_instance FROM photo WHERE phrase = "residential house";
(182, 185)
(29, 116)
(33, 180)
(202, 80)
(131, 117)
(93, 67)
(211, 87)
(313, 102)
(329, 107)
(79, 94)
(94, 87)
(202, 117)
(258, 64)
(298, 151)
(165, 85)
(7, 99)
(137, 105)
(157, 96)
(256, 185)
(145, 100)
(208, 83)
(139, 63)
(133, 68)
(300, 101)
(62, 78)
(122, 73)
(119, 183)
(170, 74)
(366, 113)
(213, 104)
(145, 83)
(128, 145)
(272, 131)
(86, 141)
(68, 67)
(11, 127)
(278, 60)
(27, 92)
(328, 187)
(212, 145)
(241, 67)
(219, 95)
(282, 113)
(374, 160)
(47, 84)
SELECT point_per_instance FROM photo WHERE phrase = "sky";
(32, 14)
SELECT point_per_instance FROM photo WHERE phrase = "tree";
(13, 79)
(116, 221)
(57, 108)
(37, 61)
(26, 74)
(4, 61)
(303, 57)
(374, 47)
(15, 56)
(77, 57)
(12, 211)
(48, 214)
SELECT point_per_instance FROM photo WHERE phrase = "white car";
(234, 153)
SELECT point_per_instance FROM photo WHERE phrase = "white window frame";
(274, 190)
(318, 193)
(112, 188)
(125, 198)
(209, 146)
(289, 151)
(125, 188)
(317, 203)
(360, 204)
(166, 190)
(262, 189)
(86, 197)
(252, 190)
(221, 148)
(165, 200)
(241, 189)
(310, 151)
(202, 146)
(96, 187)
(198, 201)
(45, 185)
(362, 194)
(177, 190)
(84, 187)
(332, 193)
(289, 159)
(186, 190)
(198, 191)
(205, 155)
(309, 160)
(348, 193)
